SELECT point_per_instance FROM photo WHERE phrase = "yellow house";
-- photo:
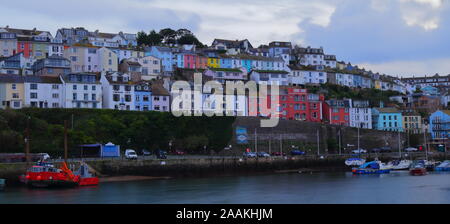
(12, 91)
(214, 62)
(412, 123)
(377, 84)
(108, 60)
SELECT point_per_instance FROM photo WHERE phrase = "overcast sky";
(396, 37)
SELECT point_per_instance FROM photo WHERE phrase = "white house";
(360, 114)
(81, 90)
(43, 92)
(118, 91)
(280, 78)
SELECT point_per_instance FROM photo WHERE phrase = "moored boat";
(374, 167)
(444, 166)
(45, 175)
(400, 164)
(355, 162)
(418, 168)
(86, 178)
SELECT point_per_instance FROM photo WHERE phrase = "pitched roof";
(271, 71)
(387, 110)
(42, 79)
(10, 78)
(159, 90)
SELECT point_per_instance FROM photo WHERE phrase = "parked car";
(146, 152)
(298, 153)
(381, 150)
(263, 154)
(359, 151)
(160, 154)
(278, 154)
(250, 155)
(178, 152)
(130, 154)
(411, 149)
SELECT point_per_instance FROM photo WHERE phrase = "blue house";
(143, 95)
(387, 119)
(247, 63)
(226, 62)
(440, 125)
(165, 54)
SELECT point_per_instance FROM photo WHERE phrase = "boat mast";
(318, 143)
(399, 147)
(65, 141)
(27, 142)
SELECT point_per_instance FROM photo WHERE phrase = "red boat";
(418, 169)
(46, 175)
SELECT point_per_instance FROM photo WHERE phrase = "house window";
(33, 86)
(85, 87)
(116, 87)
(33, 95)
(74, 96)
(13, 86)
(55, 95)
(55, 87)
(74, 87)
(94, 97)
(15, 95)
(128, 98)
(93, 88)
(116, 97)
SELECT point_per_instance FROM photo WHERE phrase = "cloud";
(411, 68)
(376, 32)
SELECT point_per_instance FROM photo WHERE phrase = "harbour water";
(294, 188)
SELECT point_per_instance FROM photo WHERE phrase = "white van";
(130, 154)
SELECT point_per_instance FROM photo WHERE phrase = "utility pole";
(270, 144)
(256, 141)
(318, 143)
(65, 141)
(281, 144)
(340, 152)
(399, 147)
(27, 143)
(359, 124)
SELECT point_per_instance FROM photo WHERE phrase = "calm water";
(397, 187)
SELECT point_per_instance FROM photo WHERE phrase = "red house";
(297, 104)
(294, 103)
(337, 112)
(25, 45)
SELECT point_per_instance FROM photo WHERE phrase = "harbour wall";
(207, 167)
(304, 136)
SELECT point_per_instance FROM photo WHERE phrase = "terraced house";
(82, 90)
(43, 92)
(12, 91)
(387, 119)
(117, 91)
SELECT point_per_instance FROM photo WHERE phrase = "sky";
(396, 37)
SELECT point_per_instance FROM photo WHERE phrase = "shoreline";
(112, 179)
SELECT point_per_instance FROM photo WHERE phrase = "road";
(414, 155)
